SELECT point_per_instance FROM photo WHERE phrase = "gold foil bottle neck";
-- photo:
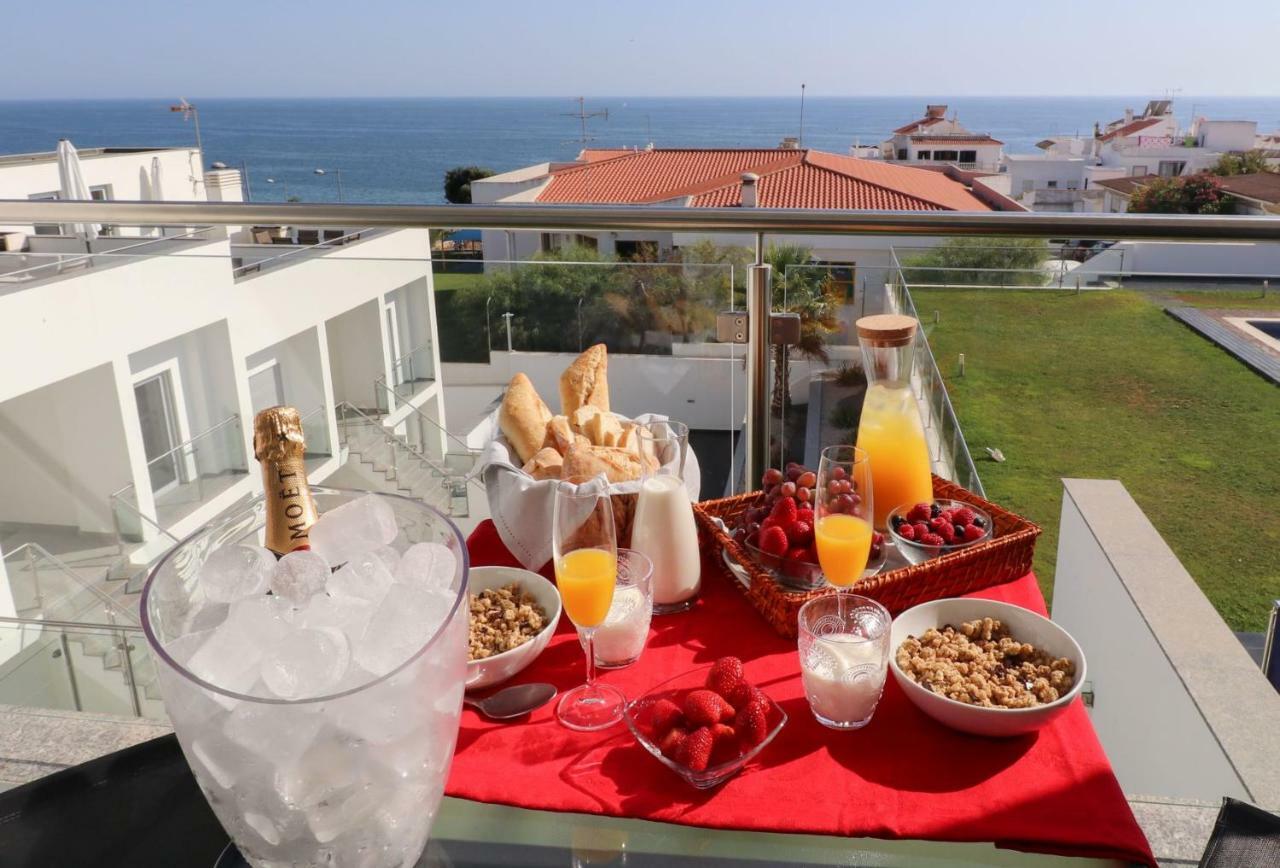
(277, 434)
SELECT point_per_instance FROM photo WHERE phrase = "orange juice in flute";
(843, 531)
(890, 430)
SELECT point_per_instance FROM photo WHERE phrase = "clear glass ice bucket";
(350, 778)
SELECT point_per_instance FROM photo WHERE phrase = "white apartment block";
(134, 360)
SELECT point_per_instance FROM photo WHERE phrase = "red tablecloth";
(903, 776)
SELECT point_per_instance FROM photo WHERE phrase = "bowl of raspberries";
(706, 724)
(925, 530)
(777, 530)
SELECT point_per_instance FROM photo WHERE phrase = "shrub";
(970, 262)
(1187, 194)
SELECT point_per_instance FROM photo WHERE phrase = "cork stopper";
(277, 434)
(887, 329)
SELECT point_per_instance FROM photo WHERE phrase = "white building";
(133, 365)
(937, 140)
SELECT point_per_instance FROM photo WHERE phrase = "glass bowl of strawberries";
(706, 724)
(922, 531)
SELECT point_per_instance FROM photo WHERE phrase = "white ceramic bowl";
(498, 668)
(1025, 625)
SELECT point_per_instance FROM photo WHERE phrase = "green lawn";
(1106, 385)
(446, 281)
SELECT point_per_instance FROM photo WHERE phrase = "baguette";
(580, 418)
(603, 429)
(560, 436)
(618, 465)
(546, 464)
(586, 381)
(523, 418)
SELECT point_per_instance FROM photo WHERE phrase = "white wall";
(52, 469)
(1218, 259)
(356, 356)
(1068, 172)
(1228, 135)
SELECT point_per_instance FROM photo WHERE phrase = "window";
(266, 385)
(160, 438)
(46, 228)
(1053, 185)
(588, 241)
(1138, 171)
(946, 156)
(644, 251)
(923, 155)
(968, 156)
(902, 153)
(1171, 168)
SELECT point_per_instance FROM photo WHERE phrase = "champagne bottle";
(280, 446)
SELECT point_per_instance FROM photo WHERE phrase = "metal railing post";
(758, 312)
(126, 663)
(71, 672)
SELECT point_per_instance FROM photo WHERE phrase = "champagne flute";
(844, 513)
(585, 553)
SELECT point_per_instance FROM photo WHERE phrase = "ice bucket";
(353, 777)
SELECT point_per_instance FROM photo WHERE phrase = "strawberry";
(907, 531)
(752, 723)
(805, 514)
(919, 512)
(706, 708)
(724, 744)
(672, 742)
(972, 532)
(664, 715)
(773, 541)
(932, 539)
(742, 694)
(800, 532)
(784, 512)
(798, 555)
(963, 516)
(695, 752)
(725, 676)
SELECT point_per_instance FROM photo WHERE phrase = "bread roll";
(618, 465)
(603, 429)
(632, 442)
(580, 418)
(545, 464)
(586, 381)
(523, 418)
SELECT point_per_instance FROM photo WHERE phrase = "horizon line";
(319, 97)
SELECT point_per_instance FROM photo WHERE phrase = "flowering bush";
(1188, 194)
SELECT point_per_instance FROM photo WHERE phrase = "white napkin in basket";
(521, 505)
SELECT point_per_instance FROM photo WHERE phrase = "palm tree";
(800, 288)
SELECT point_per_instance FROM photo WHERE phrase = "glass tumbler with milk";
(844, 658)
(664, 528)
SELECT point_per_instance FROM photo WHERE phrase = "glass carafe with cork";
(890, 430)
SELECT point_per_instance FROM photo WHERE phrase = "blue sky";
(132, 48)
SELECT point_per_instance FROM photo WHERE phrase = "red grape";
(838, 472)
(772, 476)
(846, 503)
(804, 495)
(788, 489)
(808, 479)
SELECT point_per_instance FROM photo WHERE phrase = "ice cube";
(428, 565)
(360, 525)
(348, 614)
(327, 770)
(390, 557)
(263, 826)
(364, 577)
(330, 818)
(306, 663)
(405, 619)
(277, 733)
(232, 654)
(234, 572)
(218, 757)
(299, 576)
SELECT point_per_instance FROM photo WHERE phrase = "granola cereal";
(981, 663)
(502, 619)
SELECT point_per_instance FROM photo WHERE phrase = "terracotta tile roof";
(595, 155)
(917, 125)
(1130, 129)
(1126, 186)
(789, 178)
(1261, 186)
(956, 140)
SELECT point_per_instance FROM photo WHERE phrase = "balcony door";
(389, 310)
(161, 437)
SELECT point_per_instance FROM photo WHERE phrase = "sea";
(398, 150)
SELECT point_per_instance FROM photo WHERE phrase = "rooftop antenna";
(583, 116)
(648, 130)
(800, 140)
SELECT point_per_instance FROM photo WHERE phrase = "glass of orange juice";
(584, 550)
(844, 509)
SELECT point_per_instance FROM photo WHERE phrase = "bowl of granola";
(985, 667)
(513, 614)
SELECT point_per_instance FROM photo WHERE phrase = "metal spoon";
(513, 701)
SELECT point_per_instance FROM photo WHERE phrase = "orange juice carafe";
(890, 430)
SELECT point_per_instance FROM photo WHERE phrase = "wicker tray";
(1005, 557)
